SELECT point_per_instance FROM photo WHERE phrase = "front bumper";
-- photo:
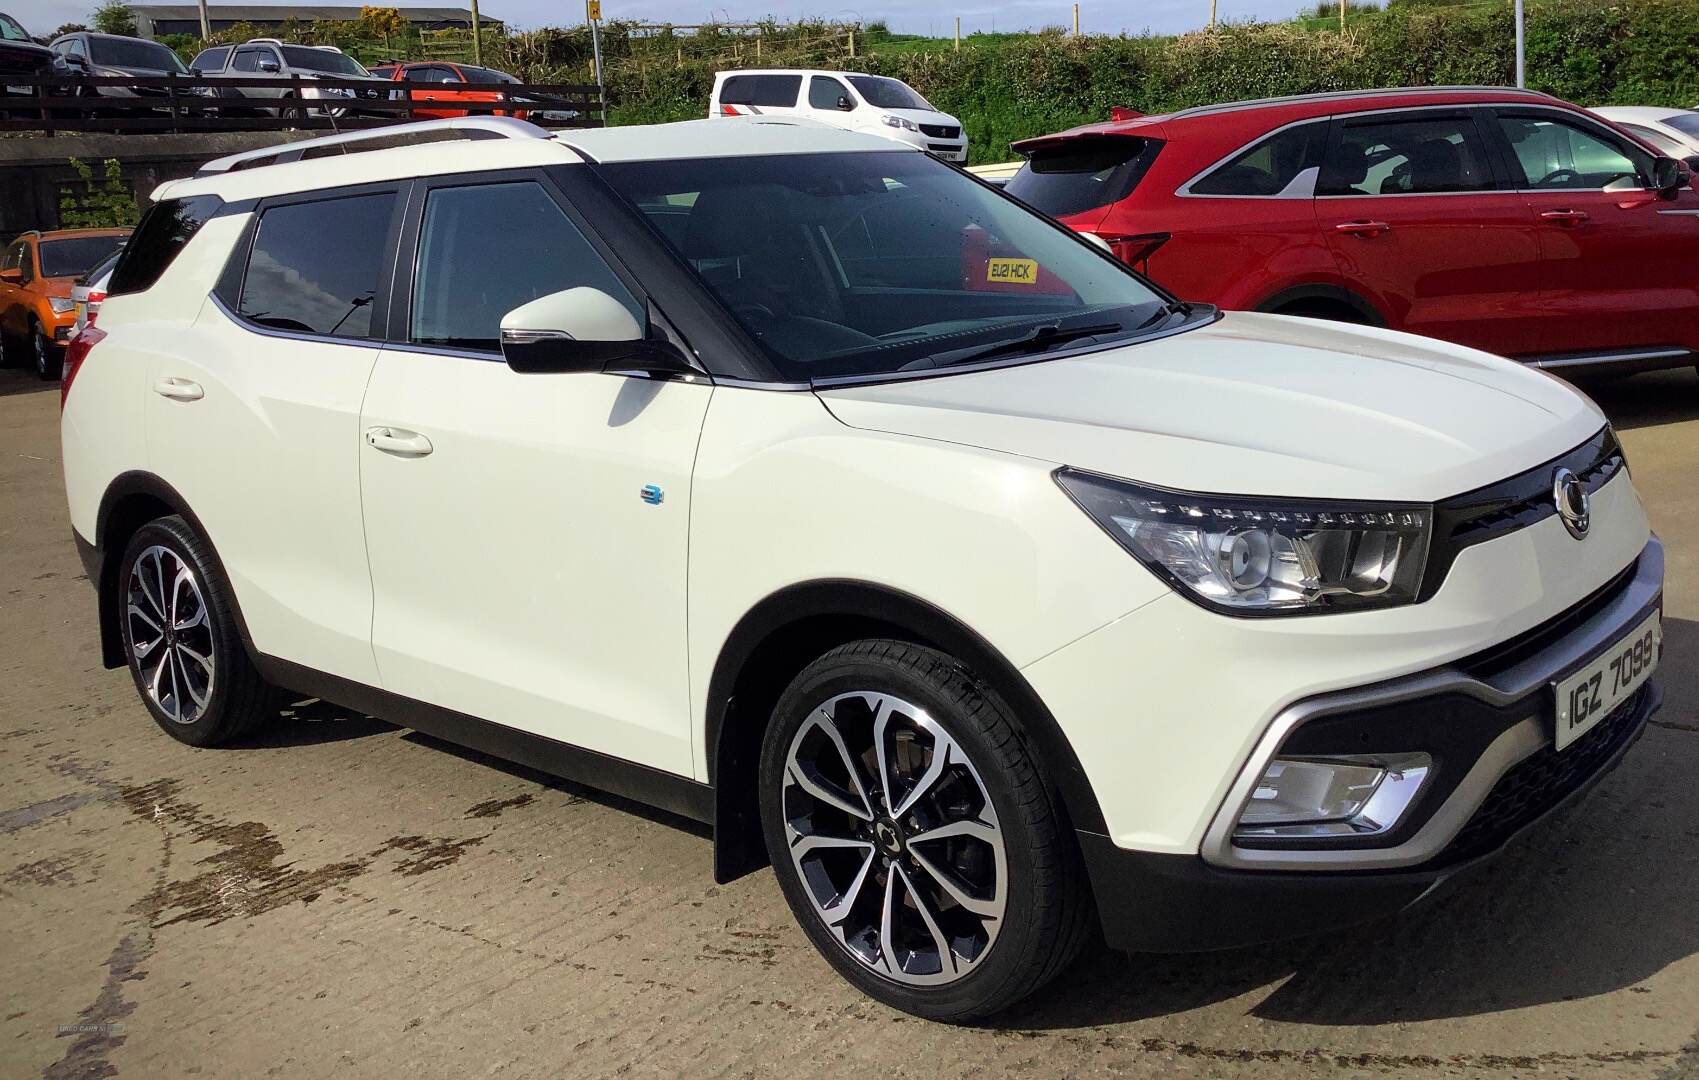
(1488, 719)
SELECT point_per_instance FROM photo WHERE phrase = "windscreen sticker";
(1012, 271)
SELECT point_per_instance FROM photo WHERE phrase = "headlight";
(61, 304)
(1251, 556)
(899, 122)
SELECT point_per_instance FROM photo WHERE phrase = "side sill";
(1615, 362)
(663, 790)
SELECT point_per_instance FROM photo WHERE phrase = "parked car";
(271, 58)
(1671, 132)
(907, 567)
(1505, 220)
(112, 55)
(37, 272)
(23, 57)
(459, 82)
(996, 175)
(90, 291)
(873, 104)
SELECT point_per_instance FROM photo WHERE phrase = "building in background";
(156, 20)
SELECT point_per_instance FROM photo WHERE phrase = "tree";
(102, 204)
(70, 28)
(114, 17)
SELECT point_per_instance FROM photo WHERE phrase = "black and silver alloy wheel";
(178, 622)
(170, 634)
(916, 837)
(893, 833)
(41, 355)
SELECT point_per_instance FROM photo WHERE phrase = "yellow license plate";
(1012, 271)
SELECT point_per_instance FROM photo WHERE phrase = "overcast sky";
(1162, 16)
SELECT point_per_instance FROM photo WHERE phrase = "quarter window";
(485, 250)
(773, 91)
(1556, 154)
(1269, 167)
(164, 232)
(314, 266)
(1415, 155)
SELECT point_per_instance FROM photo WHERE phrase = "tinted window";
(1270, 166)
(73, 257)
(1556, 154)
(769, 90)
(211, 60)
(246, 60)
(485, 250)
(310, 59)
(72, 47)
(1687, 123)
(883, 93)
(1083, 174)
(486, 75)
(165, 230)
(823, 93)
(314, 266)
(133, 53)
(1408, 156)
(791, 245)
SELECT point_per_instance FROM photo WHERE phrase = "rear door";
(1618, 260)
(1424, 225)
(527, 532)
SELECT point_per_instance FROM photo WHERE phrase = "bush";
(101, 204)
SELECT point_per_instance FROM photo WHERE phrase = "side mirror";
(11, 273)
(1667, 176)
(270, 67)
(584, 330)
(845, 103)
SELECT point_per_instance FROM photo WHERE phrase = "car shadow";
(1659, 397)
(308, 721)
(1595, 900)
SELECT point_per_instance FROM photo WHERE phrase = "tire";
(290, 112)
(208, 691)
(43, 356)
(1338, 313)
(980, 916)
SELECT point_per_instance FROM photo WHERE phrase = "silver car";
(274, 59)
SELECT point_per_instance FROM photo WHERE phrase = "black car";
(21, 56)
(113, 55)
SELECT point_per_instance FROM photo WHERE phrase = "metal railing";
(158, 104)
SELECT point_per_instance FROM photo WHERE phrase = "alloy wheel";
(892, 832)
(170, 634)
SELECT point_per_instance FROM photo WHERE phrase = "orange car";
(36, 275)
(460, 82)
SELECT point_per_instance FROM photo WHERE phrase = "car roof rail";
(1346, 95)
(383, 138)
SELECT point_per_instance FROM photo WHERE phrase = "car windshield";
(874, 263)
(883, 93)
(133, 53)
(486, 75)
(305, 58)
(74, 256)
(10, 30)
(1687, 123)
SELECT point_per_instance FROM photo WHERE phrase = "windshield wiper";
(1038, 339)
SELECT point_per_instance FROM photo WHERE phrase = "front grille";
(941, 131)
(1522, 500)
(1541, 781)
(943, 148)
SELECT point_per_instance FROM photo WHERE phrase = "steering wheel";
(1555, 175)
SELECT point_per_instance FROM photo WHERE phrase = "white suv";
(802, 484)
(874, 104)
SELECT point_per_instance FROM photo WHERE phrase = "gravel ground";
(348, 895)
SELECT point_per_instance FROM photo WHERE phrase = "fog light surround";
(1322, 798)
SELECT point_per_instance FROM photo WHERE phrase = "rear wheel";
(914, 835)
(180, 638)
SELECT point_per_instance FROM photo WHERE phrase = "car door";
(446, 86)
(1420, 221)
(527, 532)
(254, 417)
(1617, 259)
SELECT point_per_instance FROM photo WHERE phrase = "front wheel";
(180, 638)
(915, 835)
(42, 355)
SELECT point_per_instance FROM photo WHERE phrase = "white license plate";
(1589, 695)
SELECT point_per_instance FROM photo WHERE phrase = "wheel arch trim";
(1337, 294)
(731, 739)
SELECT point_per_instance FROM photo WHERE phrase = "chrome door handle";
(1363, 228)
(397, 441)
(1565, 217)
(179, 389)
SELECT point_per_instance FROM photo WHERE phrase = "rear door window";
(1083, 174)
(314, 266)
(1269, 167)
(1413, 154)
(773, 91)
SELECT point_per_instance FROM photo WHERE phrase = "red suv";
(1502, 219)
(460, 83)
